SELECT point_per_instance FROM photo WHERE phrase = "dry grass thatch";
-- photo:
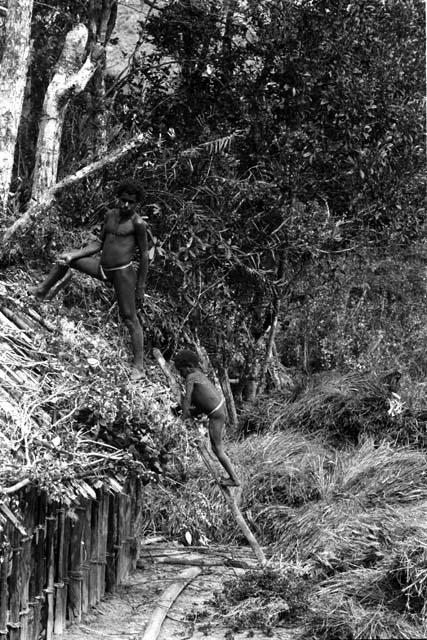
(343, 407)
(63, 385)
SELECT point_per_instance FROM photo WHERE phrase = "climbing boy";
(202, 397)
(123, 232)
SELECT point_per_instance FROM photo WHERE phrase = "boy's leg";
(216, 432)
(124, 281)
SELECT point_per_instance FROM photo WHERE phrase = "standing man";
(123, 232)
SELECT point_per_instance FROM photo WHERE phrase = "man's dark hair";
(186, 358)
(129, 186)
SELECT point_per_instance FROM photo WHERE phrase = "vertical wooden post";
(4, 592)
(74, 572)
(50, 561)
(60, 587)
(28, 510)
(110, 574)
(86, 554)
(102, 571)
(94, 551)
(14, 587)
(38, 573)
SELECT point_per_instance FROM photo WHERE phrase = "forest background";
(280, 147)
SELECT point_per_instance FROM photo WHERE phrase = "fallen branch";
(166, 600)
(4, 509)
(193, 560)
(19, 485)
(35, 209)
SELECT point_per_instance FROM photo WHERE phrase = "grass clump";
(262, 599)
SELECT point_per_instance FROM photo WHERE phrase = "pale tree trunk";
(36, 209)
(103, 15)
(13, 78)
(70, 78)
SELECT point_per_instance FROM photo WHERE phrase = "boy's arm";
(186, 403)
(141, 240)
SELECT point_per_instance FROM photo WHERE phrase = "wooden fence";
(68, 559)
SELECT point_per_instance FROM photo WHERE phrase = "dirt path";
(125, 614)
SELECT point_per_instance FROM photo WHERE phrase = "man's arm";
(142, 242)
(84, 252)
(186, 403)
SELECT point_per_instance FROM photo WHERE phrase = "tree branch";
(35, 209)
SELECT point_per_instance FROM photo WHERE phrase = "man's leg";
(56, 274)
(216, 433)
(124, 281)
(60, 275)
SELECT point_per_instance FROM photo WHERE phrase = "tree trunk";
(103, 15)
(13, 78)
(71, 77)
(36, 209)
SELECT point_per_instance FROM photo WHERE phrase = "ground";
(124, 614)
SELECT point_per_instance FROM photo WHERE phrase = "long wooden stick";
(211, 467)
(166, 600)
(237, 514)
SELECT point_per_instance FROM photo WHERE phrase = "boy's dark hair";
(186, 358)
(129, 186)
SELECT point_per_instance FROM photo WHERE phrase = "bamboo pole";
(86, 549)
(50, 561)
(28, 510)
(39, 573)
(94, 551)
(111, 555)
(74, 572)
(102, 567)
(166, 600)
(13, 623)
(4, 591)
(60, 591)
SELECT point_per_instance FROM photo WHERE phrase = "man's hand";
(65, 258)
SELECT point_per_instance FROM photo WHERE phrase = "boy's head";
(186, 359)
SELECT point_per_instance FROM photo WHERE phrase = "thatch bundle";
(342, 618)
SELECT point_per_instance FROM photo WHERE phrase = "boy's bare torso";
(204, 395)
(119, 240)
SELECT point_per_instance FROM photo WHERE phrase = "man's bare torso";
(119, 240)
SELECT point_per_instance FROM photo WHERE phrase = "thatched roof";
(70, 421)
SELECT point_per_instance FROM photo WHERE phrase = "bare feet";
(229, 482)
(37, 292)
(136, 374)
